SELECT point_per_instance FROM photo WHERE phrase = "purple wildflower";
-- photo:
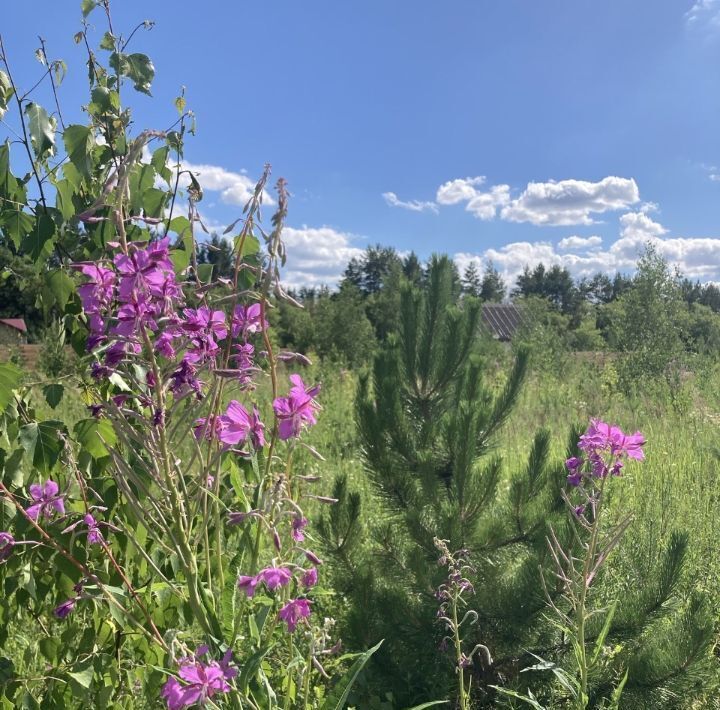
(202, 681)
(248, 584)
(247, 320)
(47, 499)
(298, 524)
(296, 409)
(293, 612)
(310, 578)
(64, 609)
(7, 542)
(573, 465)
(275, 577)
(236, 424)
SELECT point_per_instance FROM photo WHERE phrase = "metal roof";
(17, 323)
(502, 319)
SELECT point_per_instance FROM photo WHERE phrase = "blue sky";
(564, 131)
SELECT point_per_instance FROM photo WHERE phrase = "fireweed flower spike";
(202, 681)
(47, 500)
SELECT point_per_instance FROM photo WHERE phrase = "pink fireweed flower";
(7, 542)
(247, 320)
(63, 610)
(202, 681)
(208, 430)
(93, 529)
(298, 524)
(601, 436)
(98, 292)
(310, 578)
(248, 584)
(297, 409)
(293, 612)
(238, 425)
(604, 446)
(257, 429)
(47, 499)
(275, 577)
(204, 323)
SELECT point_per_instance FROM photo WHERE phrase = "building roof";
(502, 319)
(17, 323)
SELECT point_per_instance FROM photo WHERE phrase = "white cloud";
(637, 225)
(413, 205)
(557, 203)
(460, 190)
(714, 177)
(234, 188)
(571, 201)
(574, 243)
(696, 257)
(483, 205)
(704, 13)
(317, 255)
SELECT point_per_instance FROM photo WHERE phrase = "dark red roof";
(17, 323)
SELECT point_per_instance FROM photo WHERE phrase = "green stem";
(581, 615)
(458, 656)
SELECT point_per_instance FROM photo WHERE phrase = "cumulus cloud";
(574, 243)
(483, 204)
(557, 203)
(696, 257)
(460, 190)
(413, 205)
(568, 202)
(234, 188)
(704, 14)
(317, 256)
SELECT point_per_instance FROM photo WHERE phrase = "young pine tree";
(427, 422)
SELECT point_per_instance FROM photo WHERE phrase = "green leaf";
(251, 666)
(180, 104)
(338, 696)
(42, 128)
(6, 92)
(137, 67)
(53, 394)
(83, 677)
(10, 379)
(79, 142)
(154, 202)
(39, 242)
(205, 272)
(61, 286)
(250, 245)
(63, 198)
(12, 469)
(91, 433)
(108, 42)
(180, 259)
(603, 633)
(87, 6)
(104, 99)
(49, 647)
(42, 441)
(530, 699)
